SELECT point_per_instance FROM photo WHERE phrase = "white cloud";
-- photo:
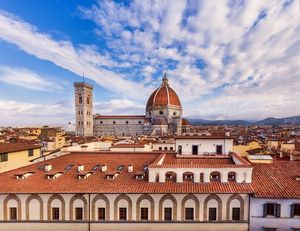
(250, 51)
(64, 54)
(27, 79)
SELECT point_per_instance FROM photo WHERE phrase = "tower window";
(80, 99)
(88, 100)
(161, 112)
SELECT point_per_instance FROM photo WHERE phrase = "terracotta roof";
(172, 160)
(97, 182)
(128, 146)
(202, 137)
(120, 117)
(277, 180)
(16, 147)
(164, 95)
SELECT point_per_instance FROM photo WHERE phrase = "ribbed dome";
(164, 95)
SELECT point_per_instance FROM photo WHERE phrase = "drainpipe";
(89, 226)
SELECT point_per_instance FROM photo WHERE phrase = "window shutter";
(278, 210)
(292, 210)
(265, 210)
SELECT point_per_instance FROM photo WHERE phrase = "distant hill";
(293, 120)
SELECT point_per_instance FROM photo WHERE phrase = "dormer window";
(54, 175)
(139, 175)
(84, 175)
(112, 175)
(97, 166)
(23, 175)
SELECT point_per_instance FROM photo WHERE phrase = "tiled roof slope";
(277, 180)
(97, 183)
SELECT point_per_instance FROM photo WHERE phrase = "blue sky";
(225, 59)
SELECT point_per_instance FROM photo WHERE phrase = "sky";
(236, 59)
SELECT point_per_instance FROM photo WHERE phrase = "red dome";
(164, 95)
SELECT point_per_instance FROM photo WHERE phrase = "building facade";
(163, 115)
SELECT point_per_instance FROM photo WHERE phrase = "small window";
(160, 148)
(174, 113)
(13, 213)
(120, 168)
(161, 112)
(171, 148)
(30, 152)
(80, 99)
(295, 210)
(272, 209)
(166, 148)
(78, 213)
(127, 122)
(195, 149)
(168, 214)
(101, 122)
(114, 122)
(140, 122)
(236, 214)
(97, 166)
(179, 149)
(3, 157)
(87, 100)
(69, 166)
(144, 214)
(101, 214)
(123, 214)
(55, 213)
(212, 214)
(189, 214)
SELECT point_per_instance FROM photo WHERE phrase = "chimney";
(130, 168)
(80, 168)
(48, 167)
(104, 168)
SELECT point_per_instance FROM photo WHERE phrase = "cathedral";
(163, 115)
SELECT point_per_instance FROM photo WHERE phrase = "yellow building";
(242, 149)
(15, 155)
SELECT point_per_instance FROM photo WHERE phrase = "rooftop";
(16, 147)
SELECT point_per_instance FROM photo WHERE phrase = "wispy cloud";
(26, 78)
(81, 59)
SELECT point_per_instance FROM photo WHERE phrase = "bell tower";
(83, 109)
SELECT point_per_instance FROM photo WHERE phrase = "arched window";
(88, 100)
(215, 176)
(170, 176)
(188, 176)
(80, 99)
(231, 176)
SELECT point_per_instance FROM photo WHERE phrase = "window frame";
(189, 214)
(168, 216)
(3, 157)
(30, 152)
(101, 214)
(13, 213)
(144, 213)
(122, 214)
(211, 216)
(55, 213)
(78, 213)
(236, 216)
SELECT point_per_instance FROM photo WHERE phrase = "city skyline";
(226, 61)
